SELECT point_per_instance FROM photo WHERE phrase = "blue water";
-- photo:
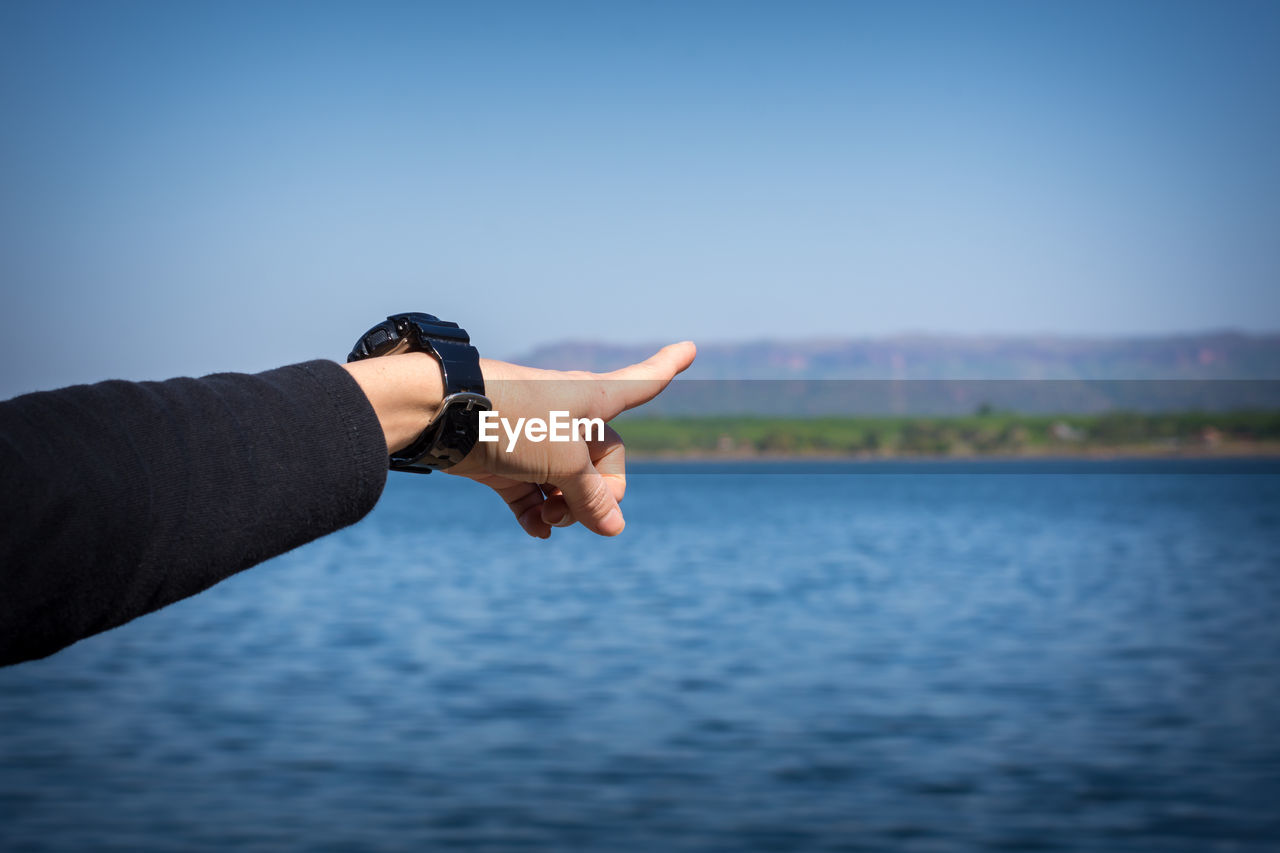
(929, 657)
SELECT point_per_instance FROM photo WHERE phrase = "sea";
(894, 656)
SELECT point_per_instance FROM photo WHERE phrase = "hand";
(544, 483)
(549, 483)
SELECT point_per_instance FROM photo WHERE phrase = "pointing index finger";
(639, 383)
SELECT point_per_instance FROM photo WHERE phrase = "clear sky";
(189, 187)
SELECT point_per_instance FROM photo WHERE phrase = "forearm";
(120, 498)
(405, 392)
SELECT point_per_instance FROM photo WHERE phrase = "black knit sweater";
(122, 497)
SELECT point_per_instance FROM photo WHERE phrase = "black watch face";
(380, 340)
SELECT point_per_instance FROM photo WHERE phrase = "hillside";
(1213, 355)
(935, 375)
(995, 434)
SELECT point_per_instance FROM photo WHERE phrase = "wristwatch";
(454, 430)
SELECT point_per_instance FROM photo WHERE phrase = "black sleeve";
(122, 497)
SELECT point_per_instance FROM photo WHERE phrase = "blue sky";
(187, 188)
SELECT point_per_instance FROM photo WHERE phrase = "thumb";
(591, 502)
(640, 382)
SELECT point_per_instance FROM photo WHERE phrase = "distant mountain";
(936, 375)
(1213, 355)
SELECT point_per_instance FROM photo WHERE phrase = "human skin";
(545, 484)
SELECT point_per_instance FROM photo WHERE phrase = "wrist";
(405, 391)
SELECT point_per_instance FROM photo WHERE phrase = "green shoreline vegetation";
(985, 433)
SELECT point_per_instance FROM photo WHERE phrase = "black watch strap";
(455, 429)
